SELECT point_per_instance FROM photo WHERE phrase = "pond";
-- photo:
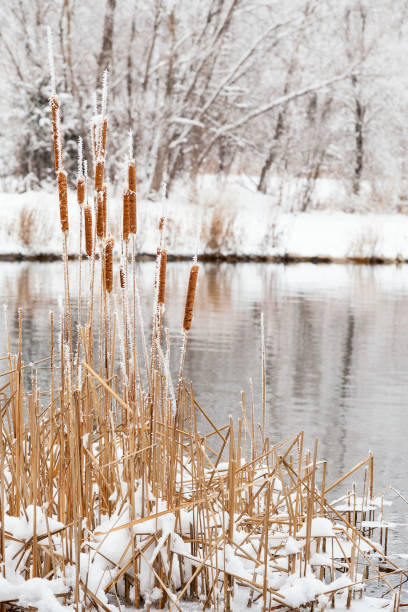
(336, 349)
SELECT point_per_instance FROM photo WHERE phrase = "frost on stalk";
(51, 61)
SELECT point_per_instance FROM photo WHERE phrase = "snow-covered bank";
(226, 219)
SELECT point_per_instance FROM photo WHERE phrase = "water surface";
(336, 349)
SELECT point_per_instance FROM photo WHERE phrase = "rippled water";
(336, 349)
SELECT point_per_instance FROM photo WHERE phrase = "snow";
(231, 218)
(321, 527)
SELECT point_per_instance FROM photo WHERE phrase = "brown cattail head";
(88, 230)
(105, 209)
(132, 197)
(109, 265)
(99, 175)
(99, 214)
(126, 227)
(122, 276)
(161, 224)
(63, 199)
(132, 175)
(162, 277)
(104, 131)
(81, 190)
(132, 213)
(192, 284)
(54, 103)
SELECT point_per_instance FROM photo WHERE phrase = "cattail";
(126, 228)
(63, 199)
(132, 197)
(81, 190)
(132, 213)
(88, 230)
(109, 265)
(192, 284)
(161, 224)
(162, 277)
(132, 175)
(122, 276)
(99, 215)
(54, 103)
(99, 175)
(104, 131)
(105, 208)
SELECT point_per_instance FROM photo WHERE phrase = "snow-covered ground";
(214, 217)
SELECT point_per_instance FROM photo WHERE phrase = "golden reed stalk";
(192, 285)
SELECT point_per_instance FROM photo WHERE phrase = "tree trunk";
(358, 128)
(262, 185)
(105, 56)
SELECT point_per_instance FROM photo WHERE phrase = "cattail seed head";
(132, 197)
(104, 132)
(54, 103)
(63, 199)
(122, 276)
(99, 175)
(161, 224)
(162, 277)
(99, 215)
(192, 285)
(126, 218)
(81, 190)
(132, 213)
(109, 265)
(105, 209)
(88, 230)
(132, 175)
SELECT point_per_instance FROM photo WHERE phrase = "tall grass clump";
(116, 487)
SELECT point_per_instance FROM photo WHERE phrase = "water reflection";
(336, 340)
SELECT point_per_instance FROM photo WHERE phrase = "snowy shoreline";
(220, 222)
